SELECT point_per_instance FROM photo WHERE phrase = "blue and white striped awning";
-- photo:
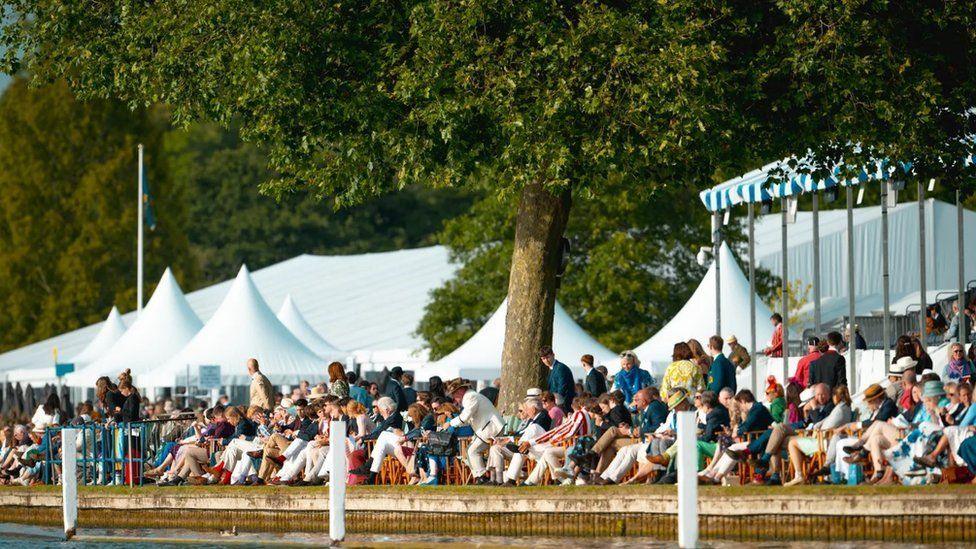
(759, 185)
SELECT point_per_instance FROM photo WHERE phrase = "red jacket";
(802, 375)
(775, 348)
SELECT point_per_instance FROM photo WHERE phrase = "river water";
(39, 537)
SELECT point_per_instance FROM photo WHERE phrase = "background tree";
(539, 98)
(230, 222)
(68, 213)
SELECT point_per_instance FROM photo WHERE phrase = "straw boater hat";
(455, 384)
(902, 364)
(731, 339)
(873, 391)
(534, 392)
(317, 393)
(676, 398)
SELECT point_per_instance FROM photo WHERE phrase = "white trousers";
(724, 464)
(235, 451)
(624, 460)
(386, 444)
(550, 459)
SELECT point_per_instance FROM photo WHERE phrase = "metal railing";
(109, 452)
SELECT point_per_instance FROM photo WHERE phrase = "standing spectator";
(802, 375)
(738, 354)
(831, 368)
(721, 374)
(560, 377)
(682, 372)
(699, 357)
(356, 391)
(775, 349)
(408, 391)
(631, 378)
(596, 383)
(338, 384)
(262, 393)
(394, 389)
(491, 391)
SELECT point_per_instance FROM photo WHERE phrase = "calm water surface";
(35, 537)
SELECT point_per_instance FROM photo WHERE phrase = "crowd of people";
(915, 427)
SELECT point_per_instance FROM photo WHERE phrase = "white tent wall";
(941, 264)
(292, 318)
(480, 357)
(696, 319)
(110, 331)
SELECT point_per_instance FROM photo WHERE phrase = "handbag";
(441, 443)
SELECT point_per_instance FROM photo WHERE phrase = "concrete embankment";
(928, 514)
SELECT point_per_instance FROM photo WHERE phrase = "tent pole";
(716, 242)
(139, 208)
(922, 299)
(816, 263)
(752, 297)
(785, 204)
(961, 251)
(885, 327)
(852, 338)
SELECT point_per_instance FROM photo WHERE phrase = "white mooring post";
(687, 480)
(337, 482)
(69, 481)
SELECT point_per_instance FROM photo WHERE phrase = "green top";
(776, 408)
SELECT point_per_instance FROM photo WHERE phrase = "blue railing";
(105, 453)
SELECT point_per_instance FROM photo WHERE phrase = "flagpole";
(139, 245)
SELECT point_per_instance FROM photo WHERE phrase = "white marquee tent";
(940, 246)
(243, 327)
(165, 325)
(292, 318)
(696, 320)
(480, 357)
(108, 333)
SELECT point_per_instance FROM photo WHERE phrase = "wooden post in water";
(69, 481)
(337, 482)
(687, 480)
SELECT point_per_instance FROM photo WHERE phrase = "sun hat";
(676, 398)
(731, 339)
(902, 364)
(534, 392)
(317, 393)
(457, 383)
(873, 391)
(928, 371)
(933, 389)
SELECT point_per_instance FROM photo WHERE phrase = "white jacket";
(479, 413)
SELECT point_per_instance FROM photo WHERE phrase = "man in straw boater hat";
(738, 354)
(480, 414)
(882, 408)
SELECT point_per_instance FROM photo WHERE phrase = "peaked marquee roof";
(243, 327)
(110, 332)
(480, 357)
(696, 320)
(292, 318)
(164, 326)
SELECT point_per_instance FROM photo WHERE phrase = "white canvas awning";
(696, 320)
(165, 325)
(243, 327)
(480, 357)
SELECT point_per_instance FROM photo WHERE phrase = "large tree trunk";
(539, 227)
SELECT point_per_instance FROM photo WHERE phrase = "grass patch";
(529, 492)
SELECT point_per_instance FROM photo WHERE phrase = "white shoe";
(580, 482)
(566, 482)
(795, 481)
(429, 481)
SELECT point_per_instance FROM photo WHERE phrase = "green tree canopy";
(68, 213)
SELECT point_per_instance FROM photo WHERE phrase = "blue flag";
(147, 210)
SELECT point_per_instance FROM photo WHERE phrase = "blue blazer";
(395, 421)
(714, 422)
(721, 374)
(758, 419)
(561, 381)
(886, 411)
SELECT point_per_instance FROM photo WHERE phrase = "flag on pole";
(147, 202)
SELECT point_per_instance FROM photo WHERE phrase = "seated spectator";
(958, 368)
(547, 450)
(776, 399)
(802, 447)
(510, 448)
(387, 434)
(552, 407)
(631, 377)
(615, 430)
